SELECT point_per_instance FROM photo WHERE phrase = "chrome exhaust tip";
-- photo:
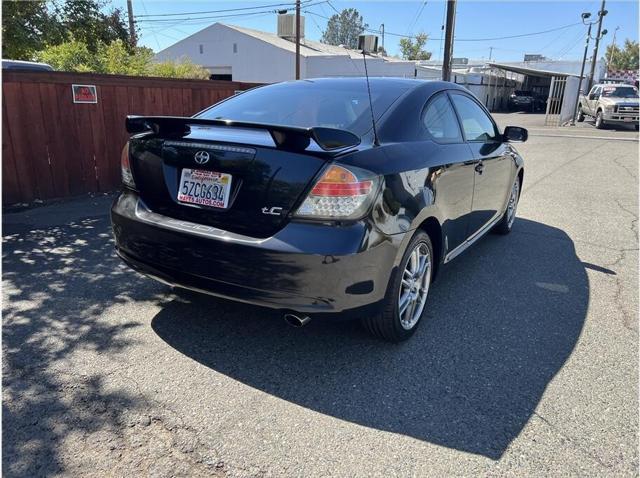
(295, 321)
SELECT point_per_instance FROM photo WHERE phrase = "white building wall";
(224, 50)
(328, 66)
(252, 60)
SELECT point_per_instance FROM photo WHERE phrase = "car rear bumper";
(305, 267)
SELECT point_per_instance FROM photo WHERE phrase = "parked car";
(609, 104)
(521, 100)
(25, 65)
(284, 196)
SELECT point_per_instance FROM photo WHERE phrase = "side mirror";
(515, 134)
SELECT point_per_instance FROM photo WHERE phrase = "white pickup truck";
(610, 103)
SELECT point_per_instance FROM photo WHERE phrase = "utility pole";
(448, 40)
(297, 39)
(132, 29)
(382, 32)
(594, 58)
(490, 52)
(584, 60)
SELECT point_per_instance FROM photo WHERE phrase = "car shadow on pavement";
(59, 277)
(500, 323)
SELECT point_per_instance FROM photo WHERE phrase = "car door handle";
(479, 168)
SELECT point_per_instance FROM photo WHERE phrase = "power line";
(215, 17)
(192, 21)
(416, 17)
(172, 25)
(220, 11)
(461, 39)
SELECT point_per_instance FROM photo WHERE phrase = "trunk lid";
(268, 177)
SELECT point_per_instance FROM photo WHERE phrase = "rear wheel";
(407, 293)
(506, 223)
(599, 120)
(580, 117)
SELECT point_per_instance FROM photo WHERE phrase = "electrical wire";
(462, 39)
(416, 17)
(215, 17)
(220, 11)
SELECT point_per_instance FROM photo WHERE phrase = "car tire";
(390, 323)
(599, 120)
(508, 218)
(580, 117)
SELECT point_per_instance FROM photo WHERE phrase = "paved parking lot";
(527, 363)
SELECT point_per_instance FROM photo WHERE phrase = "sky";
(479, 24)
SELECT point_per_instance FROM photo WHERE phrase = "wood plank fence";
(53, 147)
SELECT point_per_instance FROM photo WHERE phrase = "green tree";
(30, 26)
(625, 58)
(413, 49)
(86, 21)
(116, 59)
(26, 27)
(183, 68)
(344, 29)
(70, 56)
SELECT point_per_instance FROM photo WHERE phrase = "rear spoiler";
(285, 137)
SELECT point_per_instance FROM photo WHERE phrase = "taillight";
(341, 193)
(125, 168)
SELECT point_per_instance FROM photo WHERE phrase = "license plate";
(627, 119)
(206, 188)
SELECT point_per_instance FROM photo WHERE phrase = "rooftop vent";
(287, 26)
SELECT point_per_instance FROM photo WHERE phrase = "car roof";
(25, 65)
(401, 84)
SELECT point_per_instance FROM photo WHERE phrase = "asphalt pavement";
(526, 363)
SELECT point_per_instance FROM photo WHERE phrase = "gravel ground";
(526, 364)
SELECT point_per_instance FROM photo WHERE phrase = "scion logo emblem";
(201, 157)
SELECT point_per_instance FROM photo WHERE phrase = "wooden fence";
(53, 147)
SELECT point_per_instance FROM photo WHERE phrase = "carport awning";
(523, 70)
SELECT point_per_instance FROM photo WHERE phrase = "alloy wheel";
(416, 279)
(513, 203)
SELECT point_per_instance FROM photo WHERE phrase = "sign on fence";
(84, 93)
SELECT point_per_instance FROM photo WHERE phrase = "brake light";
(125, 168)
(341, 193)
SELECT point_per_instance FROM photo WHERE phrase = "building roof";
(528, 70)
(307, 47)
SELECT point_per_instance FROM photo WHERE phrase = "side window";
(440, 120)
(476, 124)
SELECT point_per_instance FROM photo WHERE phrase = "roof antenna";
(369, 44)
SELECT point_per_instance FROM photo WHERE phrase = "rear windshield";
(620, 91)
(306, 104)
(523, 93)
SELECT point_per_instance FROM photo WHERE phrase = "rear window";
(523, 93)
(308, 104)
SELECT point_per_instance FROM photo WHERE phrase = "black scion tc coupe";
(287, 196)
